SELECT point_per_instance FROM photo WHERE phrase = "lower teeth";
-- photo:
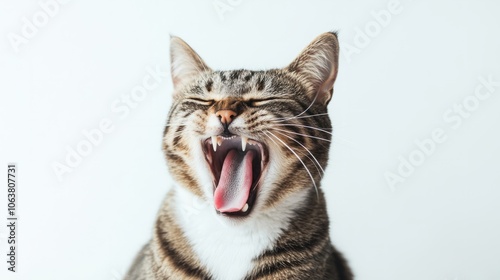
(245, 208)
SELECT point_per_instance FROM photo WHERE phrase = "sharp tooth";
(244, 141)
(219, 140)
(214, 143)
(245, 208)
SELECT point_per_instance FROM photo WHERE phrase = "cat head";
(250, 141)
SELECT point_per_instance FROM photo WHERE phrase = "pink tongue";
(235, 181)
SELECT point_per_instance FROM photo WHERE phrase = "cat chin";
(192, 209)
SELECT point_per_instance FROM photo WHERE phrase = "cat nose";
(226, 116)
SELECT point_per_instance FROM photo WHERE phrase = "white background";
(441, 223)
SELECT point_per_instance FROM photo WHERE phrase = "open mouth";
(237, 165)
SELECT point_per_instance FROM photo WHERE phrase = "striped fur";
(286, 233)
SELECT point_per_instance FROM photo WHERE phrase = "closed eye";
(201, 101)
(260, 102)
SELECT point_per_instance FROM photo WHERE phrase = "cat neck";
(226, 248)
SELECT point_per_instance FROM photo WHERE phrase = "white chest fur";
(226, 248)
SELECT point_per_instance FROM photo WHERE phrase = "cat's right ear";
(185, 63)
(317, 66)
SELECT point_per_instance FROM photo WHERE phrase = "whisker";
(321, 167)
(307, 126)
(317, 169)
(303, 164)
(305, 135)
(308, 107)
(303, 117)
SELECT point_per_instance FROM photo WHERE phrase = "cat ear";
(185, 63)
(317, 65)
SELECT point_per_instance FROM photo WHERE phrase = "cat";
(247, 150)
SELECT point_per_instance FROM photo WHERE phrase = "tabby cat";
(247, 150)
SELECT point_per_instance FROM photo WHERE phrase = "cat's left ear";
(185, 63)
(317, 66)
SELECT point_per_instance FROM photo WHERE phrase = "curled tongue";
(235, 181)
